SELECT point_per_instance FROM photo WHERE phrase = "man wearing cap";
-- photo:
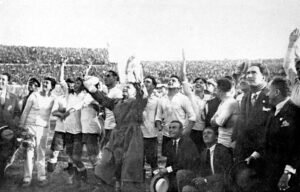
(213, 164)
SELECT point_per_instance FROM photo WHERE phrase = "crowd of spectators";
(48, 55)
(207, 69)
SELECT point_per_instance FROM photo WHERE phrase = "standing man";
(148, 126)
(33, 86)
(227, 113)
(111, 80)
(174, 106)
(292, 67)
(255, 109)
(280, 149)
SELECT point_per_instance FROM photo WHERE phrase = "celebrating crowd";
(239, 132)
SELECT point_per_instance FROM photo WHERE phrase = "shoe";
(43, 183)
(51, 167)
(26, 183)
(70, 167)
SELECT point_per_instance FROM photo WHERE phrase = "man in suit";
(250, 130)
(9, 108)
(215, 160)
(281, 147)
(181, 153)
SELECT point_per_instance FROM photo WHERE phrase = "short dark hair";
(175, 76)
(52, 80)
(34, 80)
(115, 74)
(282, 85)
(215, 129)
(262, 68)
(152, 79)
(69, 80)
(200, 78)
(180, 124)
(7, 75)
(224, 84)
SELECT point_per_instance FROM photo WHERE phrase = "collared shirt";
(226, 117)
(198, 105)
(148, 125)
(2, 96)
(110, 121)
(37, 110)
(212, 150)
(280, 105)
(59, 104)
(290, 70)
(72, 123)
(89, 118)
(178, 108)
(176, 142)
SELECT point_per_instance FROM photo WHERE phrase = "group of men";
(208, 126)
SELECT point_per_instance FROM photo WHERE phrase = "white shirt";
(149, 113)
(72, 123)
(89, 119)
(2, 96)
(110, 122)
(198, 105)
(59, 104)
(177, 108)
(290, 70)
(212, 150)
(37, 110)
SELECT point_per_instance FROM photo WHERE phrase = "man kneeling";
(214, 162)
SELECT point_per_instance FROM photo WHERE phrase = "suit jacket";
(187, 155)
(222, 161)
(10, 112)
(210, 109)
(281, 146)
(251, 127)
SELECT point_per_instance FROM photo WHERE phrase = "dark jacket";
(187, 155)
(251, 127)
(222, 161)
(281, 147)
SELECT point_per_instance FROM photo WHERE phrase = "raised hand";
(294, 37)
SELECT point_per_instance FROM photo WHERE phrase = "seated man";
(181, 153)
(214, 162)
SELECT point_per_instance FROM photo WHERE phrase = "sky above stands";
(154, 29)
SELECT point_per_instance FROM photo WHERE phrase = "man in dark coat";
(214, 163)
(181, 153)
(255, 109)
(280, 150)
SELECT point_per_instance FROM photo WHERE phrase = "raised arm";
(183, 67)
(62, 77)
(289, 61)
(89, 67)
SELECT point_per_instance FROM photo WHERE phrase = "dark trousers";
(150, 151)
(165, 140)
(197, 137)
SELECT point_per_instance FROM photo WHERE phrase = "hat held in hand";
(159, 183)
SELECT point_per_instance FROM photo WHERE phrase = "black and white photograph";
(149, 96)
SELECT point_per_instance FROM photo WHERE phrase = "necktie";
(253, 98)
(175, 146)
(207, 161)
